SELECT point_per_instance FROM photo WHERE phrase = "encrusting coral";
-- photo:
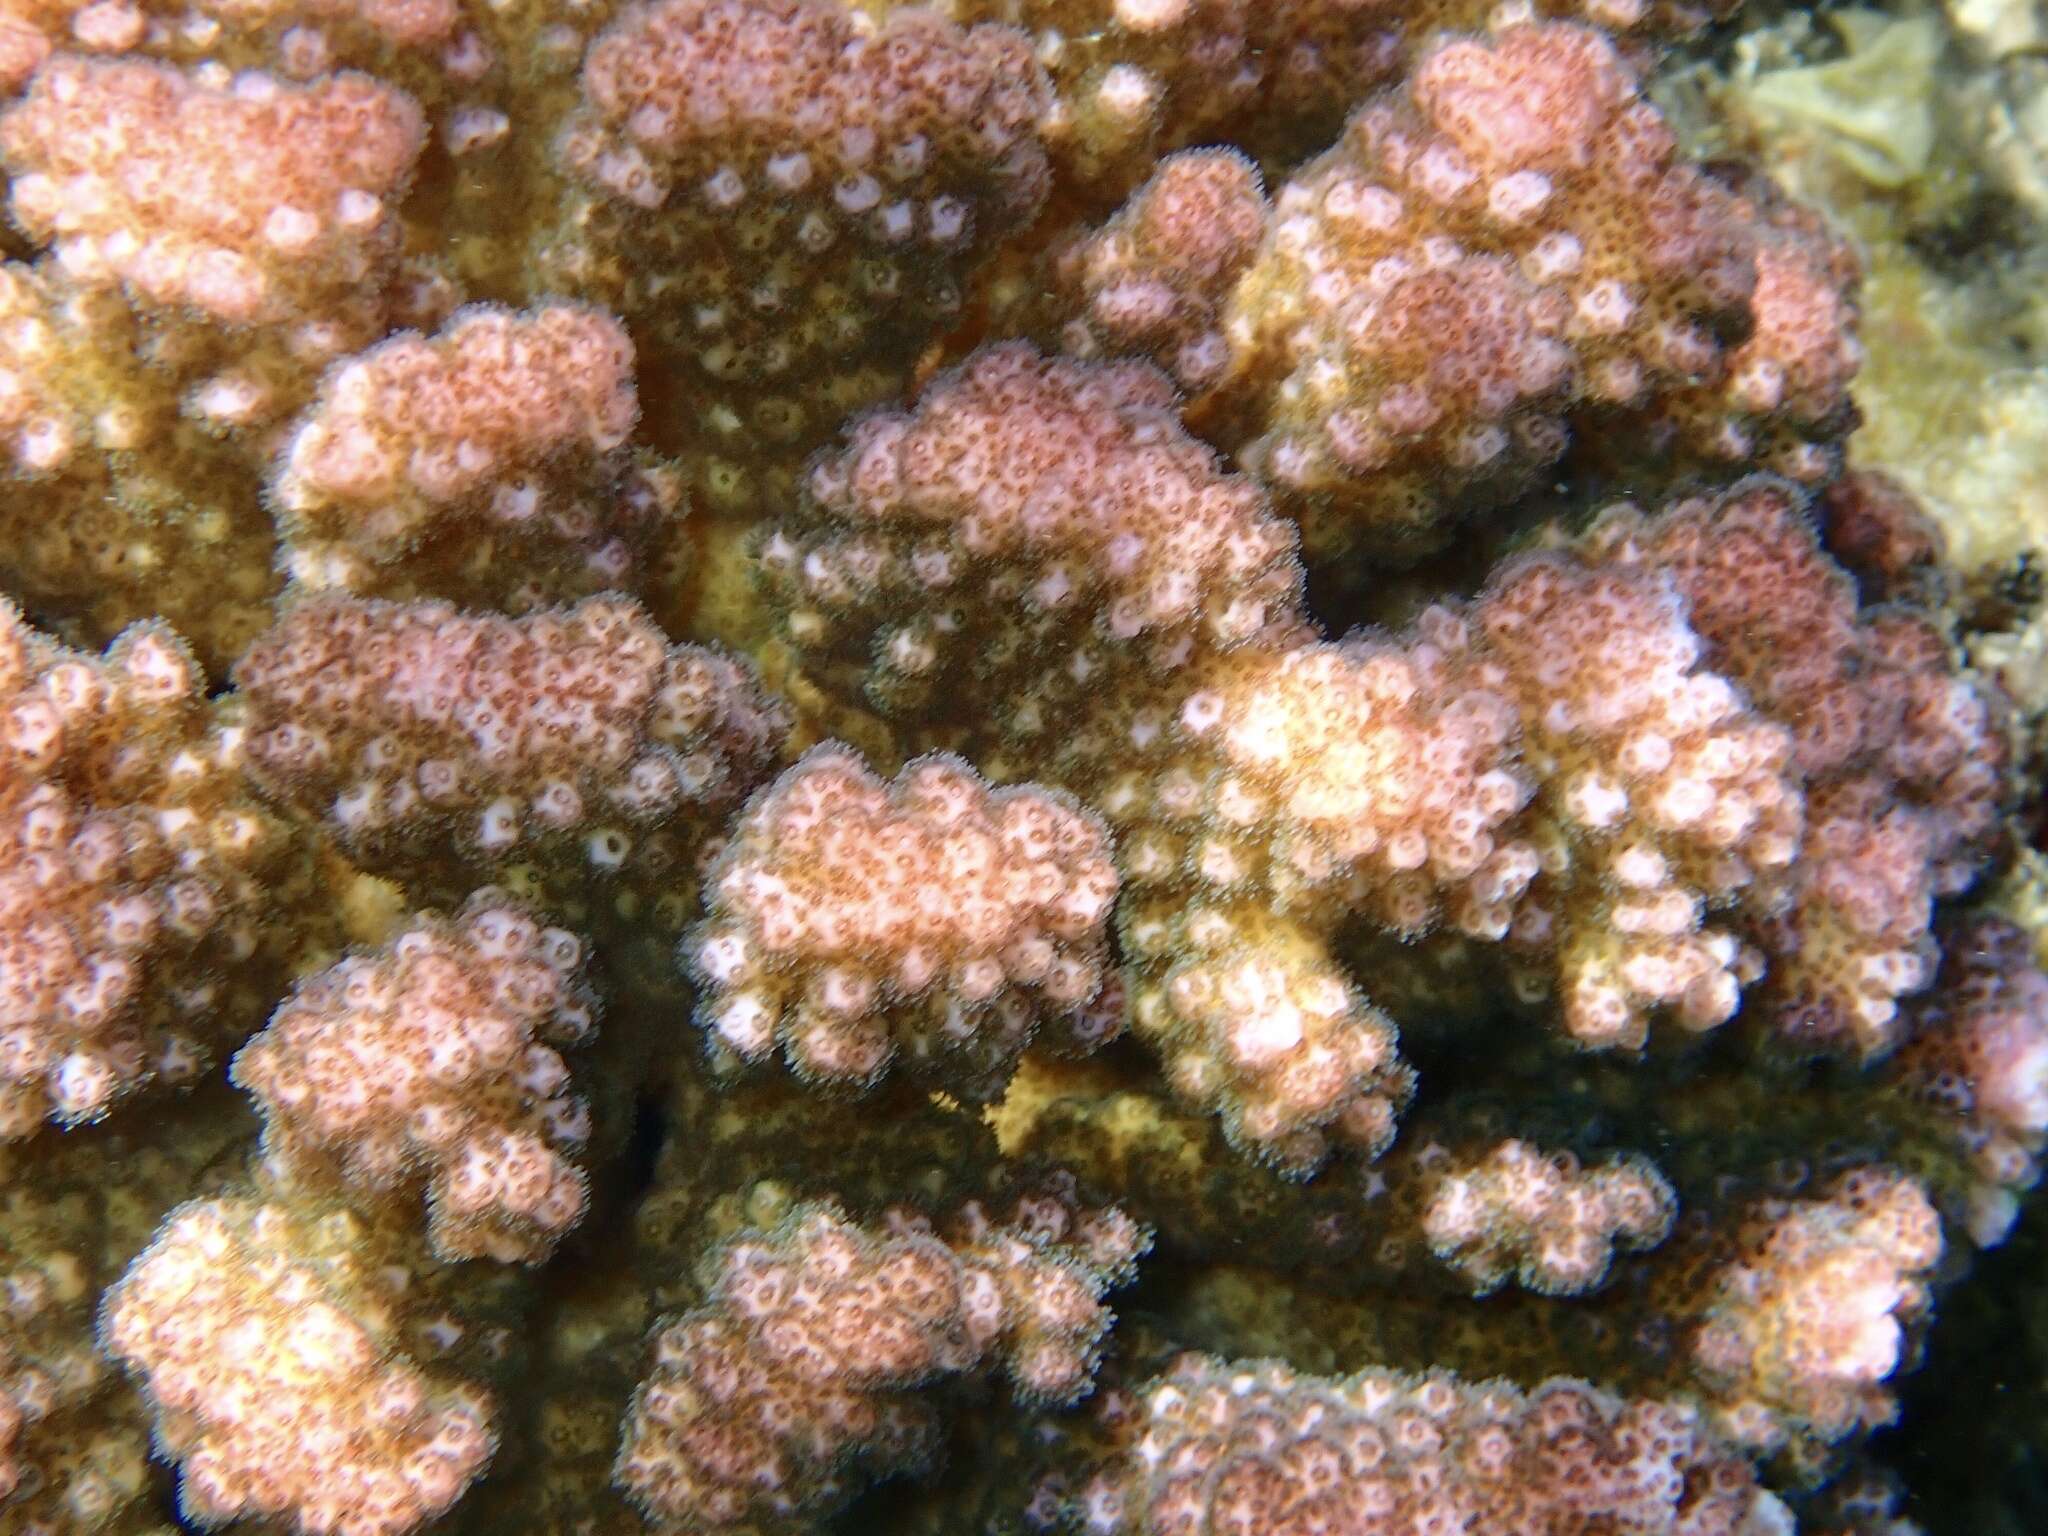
(709, 709)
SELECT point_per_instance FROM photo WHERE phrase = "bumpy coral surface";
(1242, 619)
(1025, 531)
(1498, 250)
(271, 1347)
(1218, 1446)
(256, 205)
(1804, 1324)
(134, 915)
(1549, 1222)
(1156, 279)
(432, 1061)
(1903, 754)
(417, 731)
(485, 463)
(1978, 1051)
(1137, 77)
(790, 199)
(852, 922)
(768, 1406)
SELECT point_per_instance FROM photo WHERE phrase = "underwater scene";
(1023, 768)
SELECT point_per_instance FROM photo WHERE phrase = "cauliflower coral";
(719, 717)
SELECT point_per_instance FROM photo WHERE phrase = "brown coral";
(1977, 1052)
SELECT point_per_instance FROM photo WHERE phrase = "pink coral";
(1802, 1326)
(258, 203)
(1506, 244)
(933, 919)
(268, 1339)
(580, 731)
(486, 462)
(1221, 1447)
(1904, 754)
(1031, 522)
(1546, 1219)
(1551, 765)
(768, 1406)
(1664, 796)
(1156, 279)
(429, 1062)
(134, 869)
(1977, 1051)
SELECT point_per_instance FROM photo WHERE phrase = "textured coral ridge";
(212, 245)
(431, 1060)
(789, 199)
(1600, 762)
(770, 1405)
(1500, 252)
(133, 874)
(420, 734)
(1136, 77)
(1219, 1447)
(852, 921)
(269, 1340)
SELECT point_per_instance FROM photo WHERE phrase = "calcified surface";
(1128, 767)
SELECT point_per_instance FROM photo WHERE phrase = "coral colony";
(716, 714)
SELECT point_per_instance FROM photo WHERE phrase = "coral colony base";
(716, 714)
